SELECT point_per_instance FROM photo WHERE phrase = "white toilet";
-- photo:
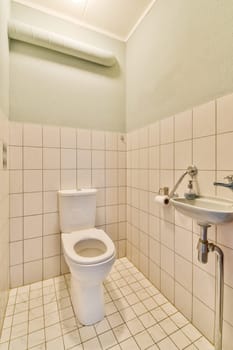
(88, 251)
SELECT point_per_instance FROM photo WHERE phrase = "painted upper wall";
(52, 88)
(180, 55)
(4, 59)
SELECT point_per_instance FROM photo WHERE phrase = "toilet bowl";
(89, 253)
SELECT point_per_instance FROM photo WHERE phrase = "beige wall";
(180, 55)
(52, 88)
(4, 190)
(4, 60)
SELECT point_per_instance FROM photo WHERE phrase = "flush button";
(4, 158)
(3, 155)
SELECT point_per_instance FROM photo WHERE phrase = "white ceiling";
(117, 18)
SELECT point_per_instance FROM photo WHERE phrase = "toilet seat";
(71, 240)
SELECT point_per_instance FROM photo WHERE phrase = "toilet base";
(88, 302)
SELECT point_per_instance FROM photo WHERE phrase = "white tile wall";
(161, 243)
(44, 159)
(204, 120)
(201, 136)
(4, 219)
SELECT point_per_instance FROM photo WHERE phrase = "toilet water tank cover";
(81, 192)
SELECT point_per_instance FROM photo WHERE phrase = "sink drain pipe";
(204, 247)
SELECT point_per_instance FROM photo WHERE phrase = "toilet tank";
(77, 209)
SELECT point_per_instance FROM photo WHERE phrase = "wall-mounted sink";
(206, 210)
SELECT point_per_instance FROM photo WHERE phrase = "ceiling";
(117, 18)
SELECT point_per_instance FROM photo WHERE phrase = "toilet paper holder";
(163, 191)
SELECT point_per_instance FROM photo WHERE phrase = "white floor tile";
(19, 330)
(91, 344)
(138, 317)
(179, 319)
(6, 334)
(87, 333)
(139, 309)
(127, 314)
(121, 303)
(129, 344)
(69, 325)
(37, 302)
(115, 347)
(157, 333)
(147, 320)
(36, 312)
(153, 347)
(150, 303)
(4, 346)
(107, 339)
(158, 314)
(36, 293)
(53, 332)
(121, 333)
(51, 318)
(203, 344)
(180, 339)
(115, 319)
(71, 339)
(39, 347)
(142, 294)
(55, 344)
(169, 309)
(160, 299)
(20, 318)
(144, 340)
(167, 344)
(102, 326)
(8, 321)
(135, 326)
(36, 338)
(64, 303)
(19, 343)
(110, 308)
(21, 307)
(168, 326)
(49, 308)
(191, 332)
(36, 324)
(66, 313)
(10, 310)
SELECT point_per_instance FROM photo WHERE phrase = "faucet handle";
(229, 178)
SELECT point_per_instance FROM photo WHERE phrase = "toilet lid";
(86, 247)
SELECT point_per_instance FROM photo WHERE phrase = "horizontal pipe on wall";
(49, 40)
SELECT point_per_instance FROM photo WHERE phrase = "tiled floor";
(40, 316)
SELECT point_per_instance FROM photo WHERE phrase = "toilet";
(88, 251)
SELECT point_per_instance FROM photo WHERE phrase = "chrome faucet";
(228, 184)
(191, 170)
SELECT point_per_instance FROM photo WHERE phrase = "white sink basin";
(206, 210)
